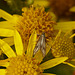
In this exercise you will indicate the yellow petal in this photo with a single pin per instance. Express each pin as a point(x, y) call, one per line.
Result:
point(58, 35)
point(4, 63)
point(6, 24)
point(15, 19)
point(44, 3)
point(48, 74)
point(53, 62)
point(18, 43)
point(31, 44)
point(6, 32)
point(29, 2)
point(48, 45)
point(2, 71)
point(9, 40)
point(65, 26)
point(38, 56)
point(69, 64)
point(7, 49)
point(72, 9)
point(53, 16)
point(5, 15)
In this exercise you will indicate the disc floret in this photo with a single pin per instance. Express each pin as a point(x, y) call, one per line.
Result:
point(23, 65)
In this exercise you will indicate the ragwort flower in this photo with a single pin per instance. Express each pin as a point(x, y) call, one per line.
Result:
point(21, 63)
point(65, 26)
point(31, 19)
point(44, 3)
point(63, 46)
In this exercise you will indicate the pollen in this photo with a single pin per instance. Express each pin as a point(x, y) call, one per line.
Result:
point(63, 46)
point(35, 18)
point(23, 65)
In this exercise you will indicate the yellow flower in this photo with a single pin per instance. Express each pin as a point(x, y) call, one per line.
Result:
point(65, 26)
point(21, 63)
point(61, 8)
point(63, 46)
point(44, 3)
point(31, 19)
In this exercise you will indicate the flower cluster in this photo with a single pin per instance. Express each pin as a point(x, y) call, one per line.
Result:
point(23, 63)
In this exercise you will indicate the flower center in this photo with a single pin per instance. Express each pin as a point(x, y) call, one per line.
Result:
point(35, 19)
point(23, 65)
point(63, 46)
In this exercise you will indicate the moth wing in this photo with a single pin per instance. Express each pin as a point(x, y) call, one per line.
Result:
point(37, 47)
point(43, 46)
point(40, 45)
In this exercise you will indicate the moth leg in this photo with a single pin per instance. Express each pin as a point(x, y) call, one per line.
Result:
point(58, 34)
point(69, 64)
point(68, 33)
point(72, 36)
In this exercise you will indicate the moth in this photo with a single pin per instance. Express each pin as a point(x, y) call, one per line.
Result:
point(40, 45)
